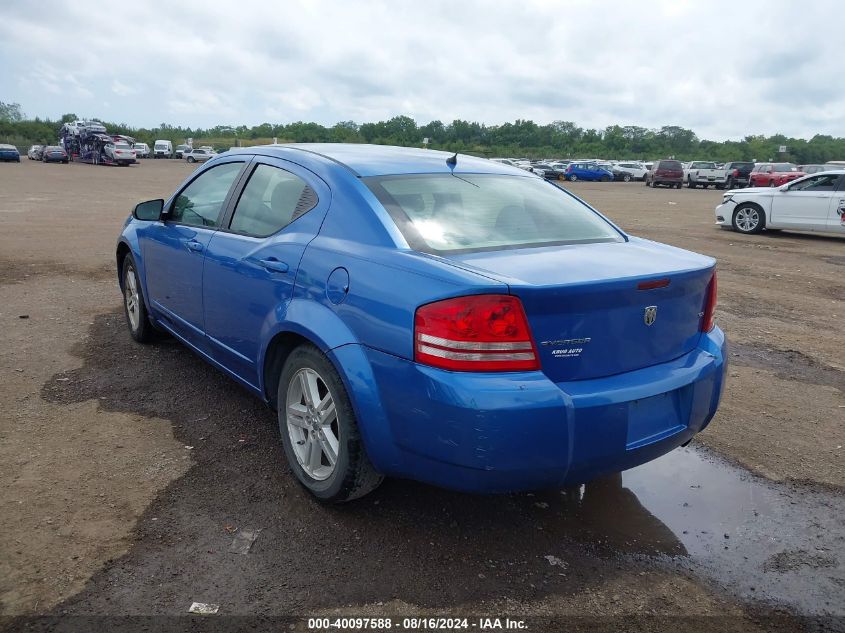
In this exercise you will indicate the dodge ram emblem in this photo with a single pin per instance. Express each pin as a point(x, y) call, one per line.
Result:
point(650, 315)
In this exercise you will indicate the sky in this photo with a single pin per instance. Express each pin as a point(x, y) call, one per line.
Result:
point(723, 69)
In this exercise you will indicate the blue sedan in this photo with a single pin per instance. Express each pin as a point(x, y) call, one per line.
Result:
point(587, 171)
point(415, 314)
point(9, 153)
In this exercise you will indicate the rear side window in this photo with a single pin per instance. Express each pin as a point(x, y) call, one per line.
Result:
point(199, 203)
point(442, 213)
point(780, 167)
point(272, 199)
point(669, 164)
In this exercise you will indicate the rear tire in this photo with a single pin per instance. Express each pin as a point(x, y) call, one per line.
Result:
point(319, 432)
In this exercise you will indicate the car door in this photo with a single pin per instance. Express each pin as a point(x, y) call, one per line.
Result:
point(836, 213)
point(174, 248)
point(805, 204)
point(251, 263)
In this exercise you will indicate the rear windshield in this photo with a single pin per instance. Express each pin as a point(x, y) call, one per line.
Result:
point(669, 164)
point(701, 165)
point(442, 213)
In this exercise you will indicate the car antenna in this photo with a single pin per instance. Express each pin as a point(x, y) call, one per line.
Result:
point(452, 160)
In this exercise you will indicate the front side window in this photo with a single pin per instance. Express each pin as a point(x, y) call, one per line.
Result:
point(824, 182)
point(272, 199)
point(442, 213)
point(199, 203)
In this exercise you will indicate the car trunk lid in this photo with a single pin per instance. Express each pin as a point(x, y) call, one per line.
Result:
point(602, 309)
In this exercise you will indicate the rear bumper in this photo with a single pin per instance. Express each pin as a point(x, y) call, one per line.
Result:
point(520, 431)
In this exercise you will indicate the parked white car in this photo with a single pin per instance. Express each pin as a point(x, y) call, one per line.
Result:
point(637, 170)
point(142, 150)
point(198, 155)
point(812, 203)
point(121, 153)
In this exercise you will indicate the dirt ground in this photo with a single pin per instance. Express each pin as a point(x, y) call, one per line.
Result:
point(128, 468)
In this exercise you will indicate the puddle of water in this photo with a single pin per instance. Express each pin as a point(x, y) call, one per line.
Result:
point(758, 539)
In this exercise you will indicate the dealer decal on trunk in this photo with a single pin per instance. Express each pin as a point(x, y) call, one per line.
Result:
point(567, 347)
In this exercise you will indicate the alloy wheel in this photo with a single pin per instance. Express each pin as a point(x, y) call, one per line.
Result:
point(132, 298)
point(747, 219)
point(312, 424)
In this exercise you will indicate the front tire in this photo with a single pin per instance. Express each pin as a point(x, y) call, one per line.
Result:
point(134, 308)
point(626, 178)
point(572, 177)
point(690, 183)
point(748, 219)
point(191, 159)
point(319, 432)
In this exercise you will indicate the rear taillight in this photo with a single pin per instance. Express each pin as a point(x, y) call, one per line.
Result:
point(736, 173)
point(475, 333)
point(708, 318)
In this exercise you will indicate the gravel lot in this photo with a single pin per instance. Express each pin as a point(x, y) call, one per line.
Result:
point(129, 470)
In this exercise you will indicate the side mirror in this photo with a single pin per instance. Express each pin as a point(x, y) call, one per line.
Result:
point(784, 188)
point(149, 210)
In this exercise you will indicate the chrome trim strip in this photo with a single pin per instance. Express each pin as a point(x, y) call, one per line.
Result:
point(443, 353)
point(445, 342)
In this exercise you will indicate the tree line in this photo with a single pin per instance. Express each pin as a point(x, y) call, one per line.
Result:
point(520, 138)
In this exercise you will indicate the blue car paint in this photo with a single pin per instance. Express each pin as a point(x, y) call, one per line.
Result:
point(483, 432)
point(10, 155)
point(587, 174)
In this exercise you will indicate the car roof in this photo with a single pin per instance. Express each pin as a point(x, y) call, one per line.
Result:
point(382, 160)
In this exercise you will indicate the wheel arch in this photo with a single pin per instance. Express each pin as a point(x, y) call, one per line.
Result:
point(120, 255)
point(327, 332)
point(305, 321)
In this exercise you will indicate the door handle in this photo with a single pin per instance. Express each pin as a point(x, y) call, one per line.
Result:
point(274, 265)
point(193, 245)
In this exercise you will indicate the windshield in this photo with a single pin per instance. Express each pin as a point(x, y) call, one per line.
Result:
point(441, 213)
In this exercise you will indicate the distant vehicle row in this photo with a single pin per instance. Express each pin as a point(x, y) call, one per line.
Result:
point(672, 173)
point(815, 202)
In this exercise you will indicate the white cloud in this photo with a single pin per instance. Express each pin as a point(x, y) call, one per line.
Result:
point(121, 89)
point(724, 69)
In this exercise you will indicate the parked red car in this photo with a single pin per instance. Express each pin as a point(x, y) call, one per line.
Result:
point(773, 174)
